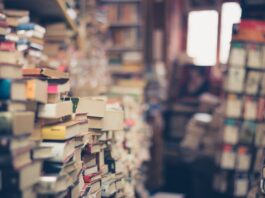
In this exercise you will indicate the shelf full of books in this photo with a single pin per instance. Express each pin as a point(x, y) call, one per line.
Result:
point(125, 31)
point(241, 149)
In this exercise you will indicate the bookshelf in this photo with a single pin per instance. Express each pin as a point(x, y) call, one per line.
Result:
point(125, 29)
point(45, 11)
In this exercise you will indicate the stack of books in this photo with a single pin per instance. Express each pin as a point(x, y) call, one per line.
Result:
point(88, 150)
point(57, 40)
point(19, 173)
point(57, 131)
point(30, 36)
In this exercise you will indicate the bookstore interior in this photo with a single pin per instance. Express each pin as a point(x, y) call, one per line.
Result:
point(132, 98)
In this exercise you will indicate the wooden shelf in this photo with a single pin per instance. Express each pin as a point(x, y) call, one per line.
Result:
point(121, 49)
point(120, 1)
point(47, 11)
point(124, 25)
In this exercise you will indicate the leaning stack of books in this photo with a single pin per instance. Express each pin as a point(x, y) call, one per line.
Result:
point(19, 173)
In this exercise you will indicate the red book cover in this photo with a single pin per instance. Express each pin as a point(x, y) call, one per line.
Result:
point(89, 178)
point(7, 46)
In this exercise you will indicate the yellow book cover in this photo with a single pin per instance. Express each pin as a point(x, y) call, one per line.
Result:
point(54, 133)
point(60, 131)
point(30, 89)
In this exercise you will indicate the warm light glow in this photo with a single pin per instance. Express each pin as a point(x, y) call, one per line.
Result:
point(231, 13)
point(202, 36)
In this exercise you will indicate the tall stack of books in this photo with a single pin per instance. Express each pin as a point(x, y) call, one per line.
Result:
point(242, 147)
point(19, 173)
point(88, 150)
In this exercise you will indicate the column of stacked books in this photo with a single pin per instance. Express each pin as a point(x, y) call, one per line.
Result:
point(132, 145)
point(242, 137)
point(58, 39)
point(87, 147)
point(58, 131)
point(100, 174)
point(19, 173)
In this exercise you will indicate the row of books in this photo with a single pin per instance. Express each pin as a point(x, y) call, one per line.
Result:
point(125, 38)
point(247, 55)
point(125, 13)
point(241, 141)
point(250, 82)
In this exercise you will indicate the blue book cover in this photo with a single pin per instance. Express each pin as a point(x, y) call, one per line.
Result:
point(26, 26)
point(5, 87)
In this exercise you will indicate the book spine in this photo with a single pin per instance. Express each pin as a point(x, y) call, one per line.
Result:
point(7, 46)
point(5, 87)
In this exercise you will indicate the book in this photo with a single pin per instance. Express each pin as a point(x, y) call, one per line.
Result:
point(250, 108)
point(108, 188)
point(7, 46)
point(254, 59)
point(113, 120)
point(252, 82)
point(91, 107)
point(14, 145)
point(261, 109)
point(228, 157)
point(61, 151)
point(16, 123)
point(44, 73)
point(247, 132)
point(238, 55)
point(52, 184)
point(19, 179)
point(231, 131)
point(260, 135)
point(15, 161)
point(241, 184)
point(10, 58)
point(90, 170)
point(262, 85)
point(89, 160)
point(58, 88)
point(41, 152)
point(57, 110)
point(13, 106)
point(243, 159)
point(234, 106)
point(61, 131)
point(33, 87)
point(12, 90)
point(235, 80)
point(10, 72)
point(92, 148)
point(95, 123)
point(31, 26)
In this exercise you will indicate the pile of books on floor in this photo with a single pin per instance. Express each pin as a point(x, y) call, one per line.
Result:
point(19, 172)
